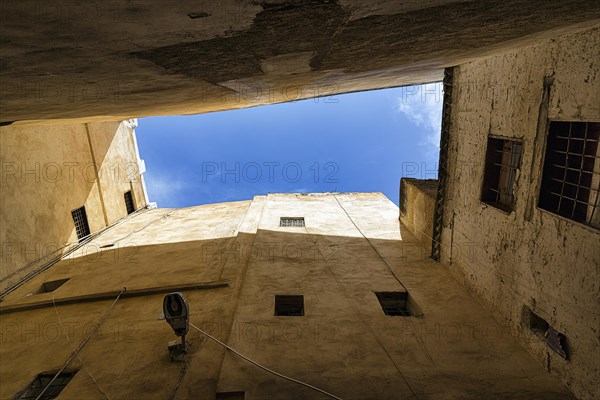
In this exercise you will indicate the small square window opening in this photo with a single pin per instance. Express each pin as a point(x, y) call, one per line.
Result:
point(35, 388)
point(289, 305)
point(291, 221)
point(394, 303)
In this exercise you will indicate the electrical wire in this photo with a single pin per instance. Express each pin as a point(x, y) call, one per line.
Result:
point(83, 241)
point(79, 358)
point(372, 245)
point(81, 345)
point(263, 367)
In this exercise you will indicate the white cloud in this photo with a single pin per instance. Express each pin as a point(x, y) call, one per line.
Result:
point(422, 105)
point(162, 189)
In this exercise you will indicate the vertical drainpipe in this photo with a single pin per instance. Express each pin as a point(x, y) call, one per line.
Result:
point(440, 201)
point(87, 130)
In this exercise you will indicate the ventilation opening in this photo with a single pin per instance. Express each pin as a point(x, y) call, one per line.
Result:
point(540, 327)
point(81, 223)
point(35, 388)
point(129, 202)
point(289, 305)
point(394, 303)
point(49, 287)
point(292, 221)
point(501, 163)
point(572, 172)
point(231, 396)
point(537, 324)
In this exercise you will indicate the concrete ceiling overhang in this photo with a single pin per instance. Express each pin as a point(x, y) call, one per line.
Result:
point(114, 60)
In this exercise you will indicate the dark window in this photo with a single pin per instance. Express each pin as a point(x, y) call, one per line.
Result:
point(289, 305)
point(292, 221)
point(501, 163)
point(537, 324)
point(48, 287)
point(81, 223)
point(554, 339)
point(129, 202)
point(571, 175)
point(230, 396)
point(36, 387)
point(393, 303)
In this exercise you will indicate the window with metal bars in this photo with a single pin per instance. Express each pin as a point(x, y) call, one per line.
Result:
point(571, 175)
point(394, 303)
point(129, 202)
point(35, 388)
point(81, 223)
point(291, 221)
point(502, 160)
point(289, 305)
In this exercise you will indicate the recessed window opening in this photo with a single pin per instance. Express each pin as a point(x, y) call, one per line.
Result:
point(231, 396)
point(571, 174)
point(51, 286)
point(537, 324)
point(295, 222)
point(289, 305)
point(129, 202)
point(394, 303)
point(555, 340)
point(502, 160)
point(35, 388)
point(82, 228)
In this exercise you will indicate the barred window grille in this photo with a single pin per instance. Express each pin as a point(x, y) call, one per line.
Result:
point(289, 305)
point(502, 160)
point(292, 221)
point(81, 223)
point(393, 303)
point(36, 387)
point(571, 174)
point(129, 202)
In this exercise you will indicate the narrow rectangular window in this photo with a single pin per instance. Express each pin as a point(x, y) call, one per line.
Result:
point(129, 202)
point(394, 303)
point(291, 221)
point(81, 223)
point(502, 160)
point(571, 175)
point(289, 305)
point(37, 389)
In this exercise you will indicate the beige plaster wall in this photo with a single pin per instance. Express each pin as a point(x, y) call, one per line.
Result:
point(47, 171)
point(528, 257)
point(417, 206)
point(352, 245)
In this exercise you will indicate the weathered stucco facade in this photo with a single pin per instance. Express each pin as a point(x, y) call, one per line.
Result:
point(527, 259)
point(118, 59)
point(230, 260)
point(417, 205)
point(49, 170)
point(69, 67)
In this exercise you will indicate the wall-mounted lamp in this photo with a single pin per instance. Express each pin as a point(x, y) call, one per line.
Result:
point(176, 311)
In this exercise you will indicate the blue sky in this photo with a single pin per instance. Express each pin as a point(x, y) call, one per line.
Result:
point(358, 142)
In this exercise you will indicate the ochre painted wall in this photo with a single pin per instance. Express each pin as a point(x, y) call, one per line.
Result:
point(47, 171)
